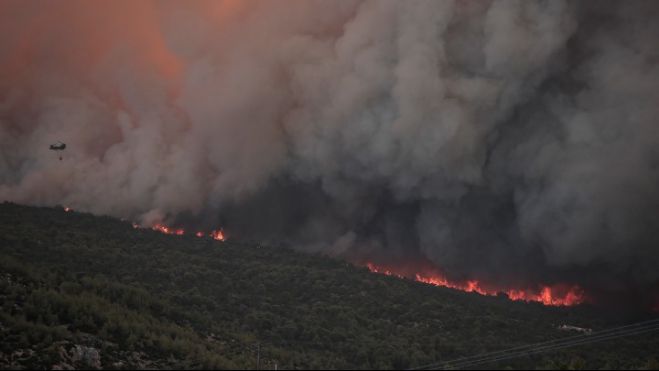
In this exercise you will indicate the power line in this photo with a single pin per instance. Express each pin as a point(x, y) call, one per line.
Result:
point(553, 348)
point(549, 346)
point(533, 349)
point(522, 347)
point(562, 340)
point(627, 330)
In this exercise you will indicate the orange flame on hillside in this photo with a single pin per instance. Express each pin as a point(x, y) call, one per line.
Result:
point(167, 230)
point(557, 295)
point(218, 235)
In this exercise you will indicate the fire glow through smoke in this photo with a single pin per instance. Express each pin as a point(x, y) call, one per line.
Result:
point(167, 230)
point(365, 130)
point(217, 235)
point(557, 295)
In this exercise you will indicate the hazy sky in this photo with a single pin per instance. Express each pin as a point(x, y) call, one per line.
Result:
point(513, 141)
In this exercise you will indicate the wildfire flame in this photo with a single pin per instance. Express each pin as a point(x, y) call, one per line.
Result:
point(547, 295)
point(167, 230)
point(217, 235)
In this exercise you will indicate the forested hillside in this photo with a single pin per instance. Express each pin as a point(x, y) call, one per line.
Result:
point(93, 292)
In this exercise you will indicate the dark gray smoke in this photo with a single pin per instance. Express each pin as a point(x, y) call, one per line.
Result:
point(510, 141)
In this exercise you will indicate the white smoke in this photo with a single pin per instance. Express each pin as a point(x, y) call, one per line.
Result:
point(482, 135)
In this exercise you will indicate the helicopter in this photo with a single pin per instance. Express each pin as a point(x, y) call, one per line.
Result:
point(59, 146)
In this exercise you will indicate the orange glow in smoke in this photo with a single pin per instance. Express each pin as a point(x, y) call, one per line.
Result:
point(167, 230)
point(558, 295)
point(218, 235)
point(83, 38)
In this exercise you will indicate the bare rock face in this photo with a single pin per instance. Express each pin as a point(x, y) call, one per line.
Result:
point(87, 357)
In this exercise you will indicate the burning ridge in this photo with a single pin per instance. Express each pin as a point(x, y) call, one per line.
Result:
point(553, 295)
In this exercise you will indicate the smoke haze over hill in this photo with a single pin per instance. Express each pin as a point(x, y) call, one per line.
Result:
point(514, 142)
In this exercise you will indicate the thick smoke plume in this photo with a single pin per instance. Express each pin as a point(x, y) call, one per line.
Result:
point(509, 141)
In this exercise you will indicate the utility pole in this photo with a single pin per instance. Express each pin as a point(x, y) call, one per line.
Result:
point(258, 355)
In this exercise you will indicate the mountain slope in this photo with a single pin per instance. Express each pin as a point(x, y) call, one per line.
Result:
point(84, 291)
